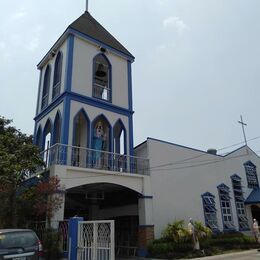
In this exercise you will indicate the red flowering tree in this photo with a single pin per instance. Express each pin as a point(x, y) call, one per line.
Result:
point(48, 197)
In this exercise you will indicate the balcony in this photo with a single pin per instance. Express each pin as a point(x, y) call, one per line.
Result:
point(60, 154)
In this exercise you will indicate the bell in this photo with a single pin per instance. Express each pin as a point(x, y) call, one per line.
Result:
point(100, 71)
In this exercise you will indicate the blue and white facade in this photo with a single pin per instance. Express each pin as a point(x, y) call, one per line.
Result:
point(221, 191)
point(84, 128)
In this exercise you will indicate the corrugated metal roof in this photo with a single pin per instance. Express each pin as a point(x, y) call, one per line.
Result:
point(87, 25)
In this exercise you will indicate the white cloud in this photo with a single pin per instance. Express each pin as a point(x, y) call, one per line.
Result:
point(175, 23)
point(34, 42)
point(18, 15)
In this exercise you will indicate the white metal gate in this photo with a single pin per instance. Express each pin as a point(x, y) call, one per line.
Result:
point(96, 240)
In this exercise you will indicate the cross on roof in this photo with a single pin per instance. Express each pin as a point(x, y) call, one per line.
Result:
point(243, 128)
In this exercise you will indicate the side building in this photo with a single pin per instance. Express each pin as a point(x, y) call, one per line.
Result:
point(221, 191)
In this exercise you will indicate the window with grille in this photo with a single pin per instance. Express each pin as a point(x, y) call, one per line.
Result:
point(46, 86)
point(239, 201)
point(251, 175)
point(57, 76)
point(210, 211)
point(225, 205)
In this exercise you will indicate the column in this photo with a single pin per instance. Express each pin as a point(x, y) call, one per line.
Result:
point(146, 226)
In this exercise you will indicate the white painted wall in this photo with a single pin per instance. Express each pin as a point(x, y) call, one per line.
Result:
point(92, 113)
point(177, 188)
point(82, 72)
point(51, 62)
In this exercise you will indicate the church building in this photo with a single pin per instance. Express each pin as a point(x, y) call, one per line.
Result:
point(84, 128)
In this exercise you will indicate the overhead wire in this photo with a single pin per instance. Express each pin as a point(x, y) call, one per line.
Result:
point(184, 161)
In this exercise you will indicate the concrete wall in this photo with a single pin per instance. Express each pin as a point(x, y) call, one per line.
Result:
point(82, 75)
point(177, 188)
point(51, 62)
point(92, 113)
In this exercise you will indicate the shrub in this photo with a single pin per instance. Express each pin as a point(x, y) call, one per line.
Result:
point(161, 248)
point(201, 231)
point(51, 244)
point(176, 232)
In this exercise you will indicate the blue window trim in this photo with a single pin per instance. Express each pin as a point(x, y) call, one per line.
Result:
point(141, 196)
point(102, 116)
point(57, 117)
point(49, 108)
point(66, 120)
point(226, 189)
point(46, 85)
point(38, 140)
point(38, 96)
point(131, 135)
point(122, 126)
point(68, 96)
point(47, 123)
point(82, 110)
point(69, 63)
point(208, 194)
point(109, 77)
point(236, 178)
point(58, 60)
point(100, 104)
point(250, 185)
point(130, 92)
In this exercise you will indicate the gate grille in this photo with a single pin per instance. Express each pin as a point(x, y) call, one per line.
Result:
point(96, 240)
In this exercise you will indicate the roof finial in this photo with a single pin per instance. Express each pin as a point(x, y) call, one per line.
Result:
point(86, 5)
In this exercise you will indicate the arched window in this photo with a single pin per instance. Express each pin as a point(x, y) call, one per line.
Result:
point(57, 129)
point(119, 134)
point(47, 138)
point(240, 202)
point(102, 78)
point(251, 175)
point(210, 211)
point(46, 86)
point(38, 137)
point(225, 205)
point(80, 154)
point(57, 76)
point(101, 142)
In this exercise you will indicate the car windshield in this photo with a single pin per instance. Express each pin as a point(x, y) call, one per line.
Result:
point(17, 239)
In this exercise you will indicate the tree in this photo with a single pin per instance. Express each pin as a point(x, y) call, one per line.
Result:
point(47, 198)
point(19, 158)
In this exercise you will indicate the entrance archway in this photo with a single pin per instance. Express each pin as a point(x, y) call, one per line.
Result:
point(106, 201)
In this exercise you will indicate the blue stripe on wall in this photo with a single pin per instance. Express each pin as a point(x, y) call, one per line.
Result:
point(130, 98)
point(69, 63)
point(65, 121)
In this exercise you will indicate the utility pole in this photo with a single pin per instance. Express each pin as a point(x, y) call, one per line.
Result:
point(243, 128)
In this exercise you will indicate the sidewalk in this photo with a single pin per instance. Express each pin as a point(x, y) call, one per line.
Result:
point(223, 256)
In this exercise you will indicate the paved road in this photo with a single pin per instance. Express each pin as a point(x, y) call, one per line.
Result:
point(246, 255)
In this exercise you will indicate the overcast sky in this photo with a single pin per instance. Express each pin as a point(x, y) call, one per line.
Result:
point(196, 69)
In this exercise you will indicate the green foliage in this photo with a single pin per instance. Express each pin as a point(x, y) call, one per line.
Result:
point(176, 232)
point(18, 159)
point(201, 231)
point(176, 243)
point(51, 244)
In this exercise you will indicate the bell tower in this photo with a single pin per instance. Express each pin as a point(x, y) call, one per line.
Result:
point(85, 91)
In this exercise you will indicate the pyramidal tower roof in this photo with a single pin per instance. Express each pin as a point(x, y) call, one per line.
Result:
point(87, 25)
